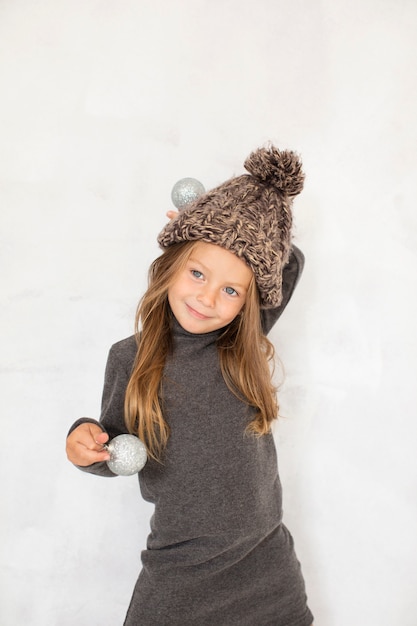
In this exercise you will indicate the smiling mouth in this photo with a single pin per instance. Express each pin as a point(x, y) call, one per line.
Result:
point(195, 313)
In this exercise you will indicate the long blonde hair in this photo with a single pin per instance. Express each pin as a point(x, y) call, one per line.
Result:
point(245, 356)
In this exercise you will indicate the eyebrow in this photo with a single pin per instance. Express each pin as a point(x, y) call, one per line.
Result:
point(205, 268)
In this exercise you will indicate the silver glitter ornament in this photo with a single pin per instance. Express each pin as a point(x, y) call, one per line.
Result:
point(127, 455)
point(185, 191)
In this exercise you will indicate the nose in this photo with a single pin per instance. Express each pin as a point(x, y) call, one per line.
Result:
point(207, 297)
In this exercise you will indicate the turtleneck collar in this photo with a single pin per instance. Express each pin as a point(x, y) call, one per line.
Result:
point(203, 338)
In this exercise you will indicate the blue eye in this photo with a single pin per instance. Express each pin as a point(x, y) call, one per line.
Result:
point(196, 274)
point(230, 291)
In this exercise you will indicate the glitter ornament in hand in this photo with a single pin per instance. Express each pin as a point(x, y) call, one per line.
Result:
point(185, 191)
point(127, 455)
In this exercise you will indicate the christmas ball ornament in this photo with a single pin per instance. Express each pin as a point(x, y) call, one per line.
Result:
point(127, 455)
point(185, 191)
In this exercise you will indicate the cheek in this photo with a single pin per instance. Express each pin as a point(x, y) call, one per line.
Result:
point(175, 291)
point(233, 309)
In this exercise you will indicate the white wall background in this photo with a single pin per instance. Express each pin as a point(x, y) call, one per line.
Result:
point(104, 106)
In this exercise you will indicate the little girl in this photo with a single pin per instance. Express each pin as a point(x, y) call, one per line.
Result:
point(194, 383)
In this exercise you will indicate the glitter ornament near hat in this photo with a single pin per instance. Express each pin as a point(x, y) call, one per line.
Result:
point(185, 191)
point(250, 215)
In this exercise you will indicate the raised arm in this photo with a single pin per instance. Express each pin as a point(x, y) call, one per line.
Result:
point(290, 277)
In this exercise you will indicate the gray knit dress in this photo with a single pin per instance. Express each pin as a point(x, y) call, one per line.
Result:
point(218, 553)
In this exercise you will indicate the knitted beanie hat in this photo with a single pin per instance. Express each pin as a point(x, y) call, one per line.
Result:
point(250, 215)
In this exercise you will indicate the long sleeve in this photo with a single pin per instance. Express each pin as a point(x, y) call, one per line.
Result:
point(119, 366)
point(118, 370)
point(290, 276)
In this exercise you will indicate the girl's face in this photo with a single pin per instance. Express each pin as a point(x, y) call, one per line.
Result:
point(211, 289)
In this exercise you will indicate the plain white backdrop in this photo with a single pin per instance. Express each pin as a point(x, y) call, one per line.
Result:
point(104, 106)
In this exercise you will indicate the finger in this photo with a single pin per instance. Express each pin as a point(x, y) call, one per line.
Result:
point(91, 457)
point(85, 445)
point(101, 438)
point(172, 214)
point(93, 437)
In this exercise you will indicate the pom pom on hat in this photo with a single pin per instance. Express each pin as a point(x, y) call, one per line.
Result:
point(280, 169)
point(250, 215)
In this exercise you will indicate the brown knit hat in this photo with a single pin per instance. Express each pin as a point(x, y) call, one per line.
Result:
point(250, 215)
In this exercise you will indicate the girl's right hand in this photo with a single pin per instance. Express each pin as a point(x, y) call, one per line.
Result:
point(85, 445)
